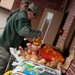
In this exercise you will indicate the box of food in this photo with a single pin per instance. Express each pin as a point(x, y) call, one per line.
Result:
point(28, 67)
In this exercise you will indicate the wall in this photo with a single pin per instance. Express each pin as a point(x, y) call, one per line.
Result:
point(61, 42)
point(41, 4)
point(71, 69)
point(16, 4)
point(3, 16)
point(7, 4)
point(53, 4)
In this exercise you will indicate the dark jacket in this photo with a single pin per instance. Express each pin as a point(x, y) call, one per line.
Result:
point(12, 13)
point(17, 27)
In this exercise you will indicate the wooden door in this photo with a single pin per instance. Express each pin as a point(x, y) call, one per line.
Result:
point(49, 24)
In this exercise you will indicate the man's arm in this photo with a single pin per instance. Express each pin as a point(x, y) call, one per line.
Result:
point(23, 28)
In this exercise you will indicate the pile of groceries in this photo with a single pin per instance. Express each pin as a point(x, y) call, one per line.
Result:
point(36, 59)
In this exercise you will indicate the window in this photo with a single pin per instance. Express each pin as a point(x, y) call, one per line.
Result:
point(46, 23)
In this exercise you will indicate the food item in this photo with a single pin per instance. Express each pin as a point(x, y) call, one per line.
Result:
point(53, 64)
point(37, 41)
point(28, 56)
point(22, 57)
point(45, 55)
point(33, 59)
point(29, 51)
point(33, 47)
point(42, 61)
point(22, 52)
point(48, 64)
point(50, 54)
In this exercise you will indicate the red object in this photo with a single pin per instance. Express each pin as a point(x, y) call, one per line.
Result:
point(49, 54)
point(60, 31)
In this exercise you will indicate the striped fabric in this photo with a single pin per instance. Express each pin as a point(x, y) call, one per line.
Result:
point(4, 57)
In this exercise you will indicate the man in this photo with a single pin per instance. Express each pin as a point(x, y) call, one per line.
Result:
point(17, 27)
point(23, 5)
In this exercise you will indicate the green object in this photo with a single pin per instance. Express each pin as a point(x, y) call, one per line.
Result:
point(26, 65)
point(26, 2)
point(17, 27)
point(29, 69)
point(12, 13)
point(33, 8)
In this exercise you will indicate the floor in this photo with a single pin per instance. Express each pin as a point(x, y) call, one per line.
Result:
point(3, 16)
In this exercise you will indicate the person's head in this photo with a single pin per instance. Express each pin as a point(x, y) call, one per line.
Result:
point(32, 11)
point(24, 4)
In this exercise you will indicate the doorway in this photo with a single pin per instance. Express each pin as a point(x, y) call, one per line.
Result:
point(60, 28)
point(70, 39)
point(49, 24)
